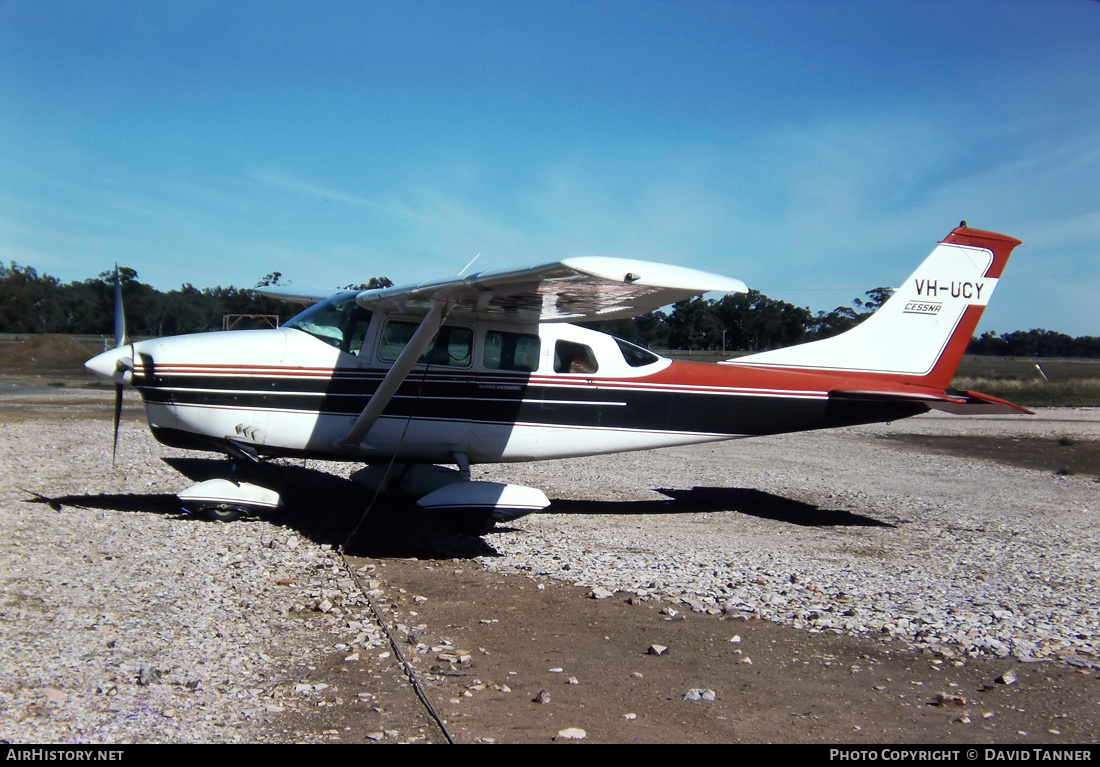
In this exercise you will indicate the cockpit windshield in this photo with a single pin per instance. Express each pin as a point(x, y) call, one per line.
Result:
point(338, 321)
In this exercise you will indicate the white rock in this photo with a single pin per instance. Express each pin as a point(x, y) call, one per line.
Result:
point(572, 733)
point(696, 694)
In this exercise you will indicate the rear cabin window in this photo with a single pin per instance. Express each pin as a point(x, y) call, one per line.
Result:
point(451, 347)
point(338, 321)
point(571, 357)
point(636, 356)
point(511, 351)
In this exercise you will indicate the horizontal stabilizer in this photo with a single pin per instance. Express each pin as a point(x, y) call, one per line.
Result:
point(976, 403)
point(959, 403)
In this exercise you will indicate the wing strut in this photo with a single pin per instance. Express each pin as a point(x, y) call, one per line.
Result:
point(429, 326)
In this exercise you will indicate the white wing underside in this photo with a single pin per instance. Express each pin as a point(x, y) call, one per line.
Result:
point(584, 288)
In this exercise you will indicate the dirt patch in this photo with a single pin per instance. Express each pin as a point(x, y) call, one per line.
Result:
point(46, 351)
point(490, 644)
point(1064, 455)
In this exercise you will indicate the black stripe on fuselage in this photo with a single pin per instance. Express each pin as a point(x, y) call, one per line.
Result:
point(505, 400)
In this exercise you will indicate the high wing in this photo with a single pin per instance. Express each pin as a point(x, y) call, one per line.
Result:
point(304, 296)
point(583, 288)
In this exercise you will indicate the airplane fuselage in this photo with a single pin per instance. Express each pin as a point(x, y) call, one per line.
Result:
point(485, 368)
point(495, 393)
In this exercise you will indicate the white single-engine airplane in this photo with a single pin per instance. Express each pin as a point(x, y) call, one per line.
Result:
point(486, 368)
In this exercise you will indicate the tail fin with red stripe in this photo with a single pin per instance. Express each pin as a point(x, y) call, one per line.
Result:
point(920, 334)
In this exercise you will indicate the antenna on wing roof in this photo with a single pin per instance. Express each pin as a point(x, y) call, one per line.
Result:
point(469, 264)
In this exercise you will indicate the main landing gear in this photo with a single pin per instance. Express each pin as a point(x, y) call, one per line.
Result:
point(225, 500)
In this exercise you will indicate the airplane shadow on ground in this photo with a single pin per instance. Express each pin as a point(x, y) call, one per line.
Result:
point(151, 503)
point(328, 509)
point(754, 503)
point(322, 507)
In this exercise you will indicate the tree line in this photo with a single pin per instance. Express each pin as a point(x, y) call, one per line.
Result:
point(38, 303)
point(741, 322)
point(753, 322)
point(1035, 343)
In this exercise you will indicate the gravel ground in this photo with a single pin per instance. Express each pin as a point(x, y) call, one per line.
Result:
point(125, 622)
point(841, 530)
point(122, 621)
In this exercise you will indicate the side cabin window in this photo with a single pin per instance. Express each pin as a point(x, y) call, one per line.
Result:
point(451, 347)
point(511, 351)
point(570, 357)
point(636, 356)
point(338, 321)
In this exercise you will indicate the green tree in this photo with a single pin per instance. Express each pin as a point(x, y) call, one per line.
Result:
point(754, 322)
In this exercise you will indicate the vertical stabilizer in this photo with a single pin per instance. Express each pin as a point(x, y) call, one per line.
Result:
point(922, 331)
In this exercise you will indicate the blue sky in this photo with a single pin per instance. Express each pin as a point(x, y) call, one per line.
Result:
point(814, 150)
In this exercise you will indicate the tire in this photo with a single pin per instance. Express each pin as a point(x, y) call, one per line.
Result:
point(476, 522)
point(223, 512)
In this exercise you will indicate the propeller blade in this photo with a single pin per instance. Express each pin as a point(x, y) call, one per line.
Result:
point(120, 340)
point(120, 315)
point(118, 418)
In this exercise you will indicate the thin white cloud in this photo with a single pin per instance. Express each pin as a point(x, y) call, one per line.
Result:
point(279, 179)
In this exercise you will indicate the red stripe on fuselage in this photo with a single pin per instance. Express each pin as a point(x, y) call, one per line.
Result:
point(693, 377)
point(784, 380)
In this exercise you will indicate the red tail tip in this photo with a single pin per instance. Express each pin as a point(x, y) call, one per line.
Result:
point(1000, 244)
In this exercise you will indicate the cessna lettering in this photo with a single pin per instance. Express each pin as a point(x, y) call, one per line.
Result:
point(922, 307)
